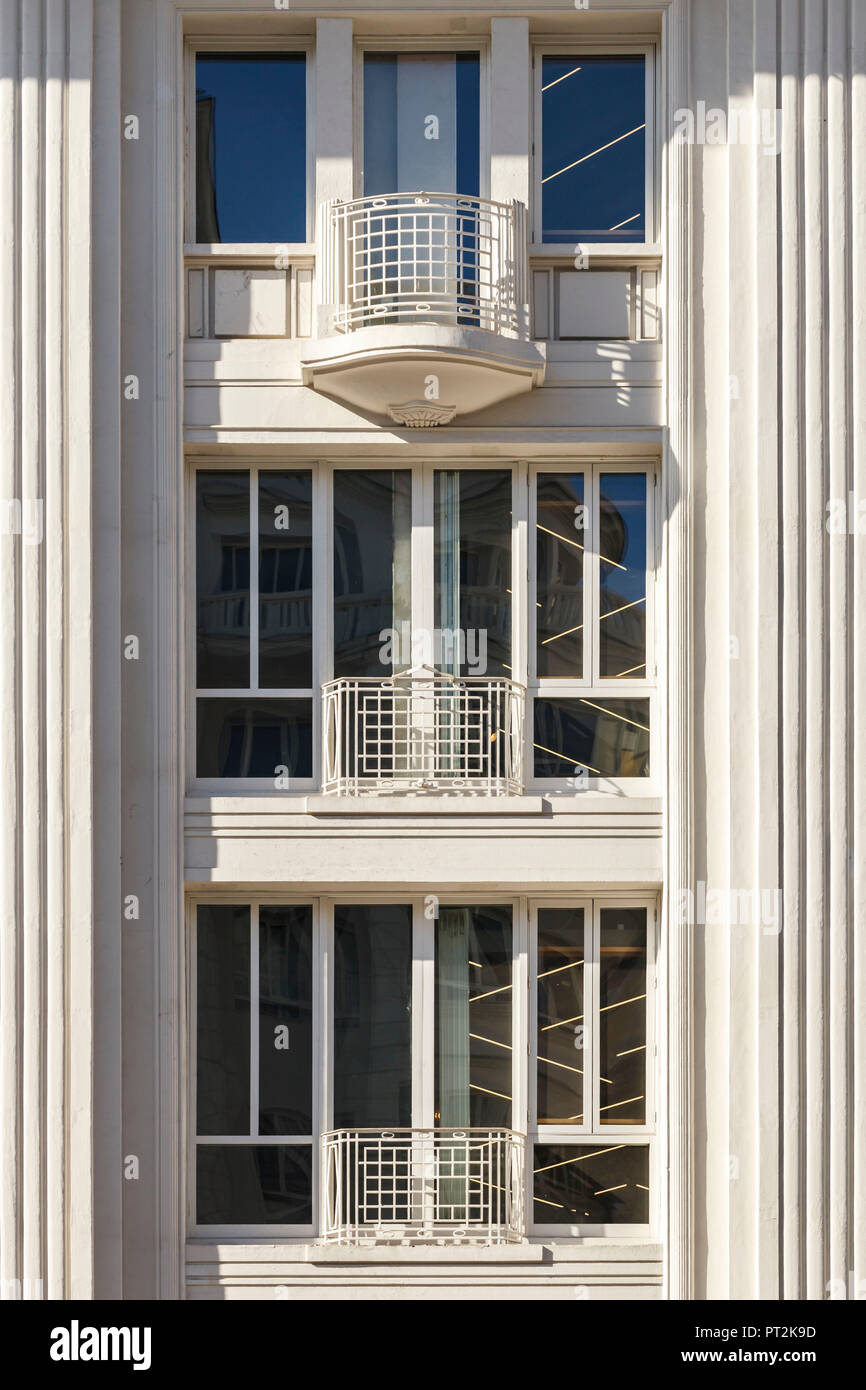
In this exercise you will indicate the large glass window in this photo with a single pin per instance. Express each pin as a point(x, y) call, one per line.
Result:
point(254, 625)
point(593, 148)
point(251, 162)
point(593, 529)
point(591, 1077)
point(254, 1071)
point(379, 1058)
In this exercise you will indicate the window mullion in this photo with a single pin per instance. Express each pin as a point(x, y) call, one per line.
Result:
point(254, 1020)
point(254, 579)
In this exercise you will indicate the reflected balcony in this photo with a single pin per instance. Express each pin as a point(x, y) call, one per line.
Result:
point(423, 306)
point(422, 731)
point(444, 1186)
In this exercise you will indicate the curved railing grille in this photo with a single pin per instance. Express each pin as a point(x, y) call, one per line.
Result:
point(422, 731)
point(420, 1185)
point(440, 257)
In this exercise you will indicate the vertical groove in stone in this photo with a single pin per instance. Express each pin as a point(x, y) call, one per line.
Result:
point(815, 712)
point(10, 639)
point(838, 320)
point(32, 626)
point(858, 627)
point(678, 853)
point(792, 462)
point(54, 548)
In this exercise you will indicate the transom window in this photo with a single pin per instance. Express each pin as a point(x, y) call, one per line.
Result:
point(331, 1020)
point(309, 574)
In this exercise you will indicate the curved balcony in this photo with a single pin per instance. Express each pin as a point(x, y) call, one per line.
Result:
point(420, 1186)
point(423, 306)
point(422, 731)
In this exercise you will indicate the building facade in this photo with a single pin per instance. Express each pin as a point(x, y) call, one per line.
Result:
point(434, 669)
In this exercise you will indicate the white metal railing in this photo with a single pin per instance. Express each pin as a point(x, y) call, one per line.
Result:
point(426, 257)
point(422, 1185)
point(422, 731)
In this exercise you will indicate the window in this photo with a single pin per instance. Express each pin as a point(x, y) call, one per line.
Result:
point(591, 672)
point(378, 1019)
point(254, 650)
point(250, 147)
point(423, 572)
point(593, 147)
point(593, 1111)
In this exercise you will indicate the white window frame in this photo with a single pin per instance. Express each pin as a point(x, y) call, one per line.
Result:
point(590, 1132)
point(411, 44)
point(227, 785)
point(523, 1021)
point(597, 49)
point(247, 43)
point(523, 599)
point(575, 688)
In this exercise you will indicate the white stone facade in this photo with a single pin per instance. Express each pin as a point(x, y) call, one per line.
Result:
point(728, 355)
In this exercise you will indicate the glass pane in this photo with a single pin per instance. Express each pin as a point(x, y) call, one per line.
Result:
point(592, 1184)
point(251, 157)
point(255, 1185)
point(372, 1016)
point(254, 738)
point(402, 91)
point(560, 535)
point(562, 1038)
point(595, 737)
point(286, 1020)
point(223, 1019)
point(472, 572)
point(473, 1016)
point(222, 563)
point(286, 580)
point(622, 576)
point(372, 571)
point(593, 114)
point(622, 1004)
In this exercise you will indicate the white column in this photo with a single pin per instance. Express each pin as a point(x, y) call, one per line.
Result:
point(46, 687)
point(510, 110)
point(335, 129)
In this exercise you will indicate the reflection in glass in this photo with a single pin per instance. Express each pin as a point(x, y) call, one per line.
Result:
point(254, 1185)
point(285, 580)
point(254, 738)
point(400, 91)
point(251, 160)
point(372, 1016)
point(222, 560)
point(623, 1008)
point(560, 541)
point(562, 1042)
point(372, 571)
point(591, 1184)
point(472, 570)
point(593, 114)
point(473, 1016)
point(622, 576)
point(285, 1020)
point(223, 1019)
point(596, 737)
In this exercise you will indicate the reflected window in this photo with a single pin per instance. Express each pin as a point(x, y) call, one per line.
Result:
point(595, 737)
point(622, 1015)
point(251, 162)
point(562, 1028)
point(421, 123)
point(559, 553)
point(474, 1004)
point(590, 1184)
point(372, 570)
point(593, 130)
point(472, 570)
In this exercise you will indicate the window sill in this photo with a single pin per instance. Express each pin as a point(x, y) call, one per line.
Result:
point(591, 1250)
